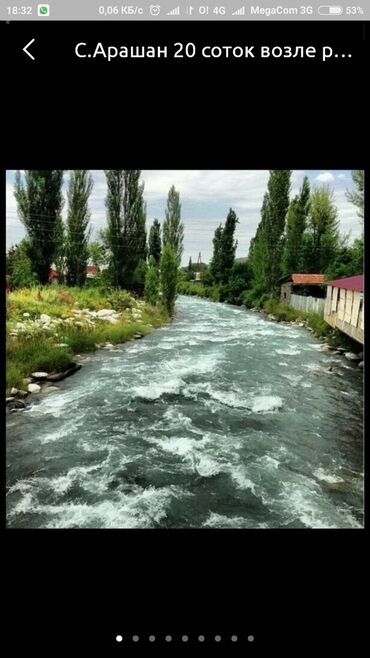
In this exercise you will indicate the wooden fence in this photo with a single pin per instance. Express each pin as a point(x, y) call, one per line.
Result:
point(307, 304)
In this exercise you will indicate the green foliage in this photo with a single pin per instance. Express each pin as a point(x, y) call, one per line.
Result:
point(40, 201)
point(97, 253)
point(22, 276)
point(296, 225)
point(79, 190)
point(168, 275)
point(113, 236)
point(276, 209)
point(120, 300)
point(152, 284)
point(348, 261)
point(173, 228)
point(322, 239)
point(155, 245)
point(224, 249)
point(357, 196)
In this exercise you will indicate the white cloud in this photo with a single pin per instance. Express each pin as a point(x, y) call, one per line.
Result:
point(325, 177)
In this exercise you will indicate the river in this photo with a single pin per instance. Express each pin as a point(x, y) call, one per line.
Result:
point(221, 419)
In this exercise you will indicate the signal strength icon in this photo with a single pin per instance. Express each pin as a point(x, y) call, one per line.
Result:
point(174, 12)
point(239, 12)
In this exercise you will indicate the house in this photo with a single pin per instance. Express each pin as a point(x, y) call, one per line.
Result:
point(344, 306)
point(53, 275)
point(91, 272)
point(304, 292)
point(302, 284)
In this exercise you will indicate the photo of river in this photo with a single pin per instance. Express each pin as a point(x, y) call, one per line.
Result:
point(220, 419)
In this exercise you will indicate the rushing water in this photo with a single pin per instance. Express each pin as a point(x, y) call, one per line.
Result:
point(220, 419)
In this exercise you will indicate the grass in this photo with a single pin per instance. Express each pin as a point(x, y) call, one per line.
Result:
point(36, 348)
point(198, 290)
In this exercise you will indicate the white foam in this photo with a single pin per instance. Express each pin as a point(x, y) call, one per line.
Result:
point(291, 351)
point(240, 477)
point(269, 462)
point(326, 476)
point(221, 521)
point(266, 403)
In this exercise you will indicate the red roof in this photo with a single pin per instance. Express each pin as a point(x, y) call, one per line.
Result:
point(350, 283)
point(91, 269)
point(53, 274)
point(310, 279)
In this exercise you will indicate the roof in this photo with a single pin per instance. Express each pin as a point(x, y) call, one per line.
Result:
point(350, 283)
point(53, 274)
point(302, 279)
point(91, 269)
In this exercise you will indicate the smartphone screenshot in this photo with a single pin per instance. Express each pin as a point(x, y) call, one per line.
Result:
point(184, 338)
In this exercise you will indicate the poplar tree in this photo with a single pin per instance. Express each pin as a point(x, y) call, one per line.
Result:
point(113, 235)
point(322, 239)
point(228, 247)
point(357, 196)
point(155, 246)
point(173, 229)
point(78, 232)
point(40, 201)
point(215, 265)
point(296, 225)
point(277, 205)
point(169, 274)
point(134, 231)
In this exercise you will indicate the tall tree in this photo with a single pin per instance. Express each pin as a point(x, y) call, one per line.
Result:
point(134, 231)
point(296, 225)
point(357, 196)
point(228, 247)
point(257, 256)
point(322, 239)
point(215, 265)
point(190, 266)
point(169, 274)
point(173, 229)
point(40, 201)
point(155, 245)
point(278, 201)
point(78, 232)
point(113, 236)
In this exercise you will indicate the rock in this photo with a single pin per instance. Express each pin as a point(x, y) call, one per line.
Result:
point(360, 355)
point(79, 324)
point(301, 324)
point(10, 399)
point(26, 315)
point(39, 375)
point(33, 388)
point(361, 364)
point(350, 356)
point(18, 405)
point(341, 349)
point(44, 318)
point(14, 391)
point(19, 325)
point(271, 316)
point(22, 394)
point(336, 353)
point(28, 380)
point(137, 336)
point(47, 389)
point(61, 345)
point(111, 319)
point(326, 348)
point(105, 312)
point(58, 376)
point(108, 346)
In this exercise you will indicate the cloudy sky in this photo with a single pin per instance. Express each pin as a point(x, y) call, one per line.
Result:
point(206, 197)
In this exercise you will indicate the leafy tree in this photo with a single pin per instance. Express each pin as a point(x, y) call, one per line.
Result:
point(357, 196)
point(215, 265)
point(173, 229)
point(168, 273)
point(322, 239)
point(97, 253)
point(78, 233)
point(152, 283)
point(277, 205)
point(134, 231)
point(19, 266)
point(257, 256)
point(228, 247)
point(296, 225)
point(60, 249)
point(155, 246)
point(113, 235)
point(347, 262)
point(39, 201)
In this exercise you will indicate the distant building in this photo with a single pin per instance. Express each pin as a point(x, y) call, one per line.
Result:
point(344, 306)
point(91, 273)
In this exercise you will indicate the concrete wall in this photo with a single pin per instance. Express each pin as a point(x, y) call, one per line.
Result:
point(307, 304)
point(285, 292)
point(344, 310)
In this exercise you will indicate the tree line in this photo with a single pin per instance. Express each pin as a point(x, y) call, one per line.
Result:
point(135, 262)
point(294, 235)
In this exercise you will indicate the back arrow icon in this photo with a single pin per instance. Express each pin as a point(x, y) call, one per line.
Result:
point(26, 51)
